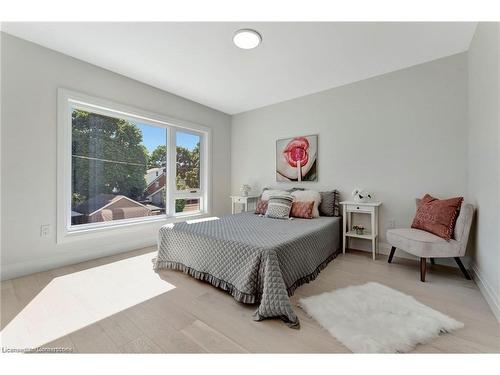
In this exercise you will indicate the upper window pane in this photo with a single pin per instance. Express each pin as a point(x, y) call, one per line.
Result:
point(118, 168)
point(188, 161)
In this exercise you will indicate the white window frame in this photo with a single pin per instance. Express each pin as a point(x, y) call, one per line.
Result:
point(67, 100)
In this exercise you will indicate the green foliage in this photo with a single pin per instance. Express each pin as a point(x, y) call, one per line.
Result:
point(158, 157)
point(188, 168)
point(77, 198)
point(108, 157)
point(179, 205)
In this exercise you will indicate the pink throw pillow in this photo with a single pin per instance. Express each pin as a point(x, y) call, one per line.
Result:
point(302, 210)
point(437, 216)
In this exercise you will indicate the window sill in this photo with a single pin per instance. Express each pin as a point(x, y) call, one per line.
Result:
point(76, 234)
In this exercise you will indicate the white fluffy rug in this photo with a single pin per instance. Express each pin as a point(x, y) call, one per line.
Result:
point(373, 318)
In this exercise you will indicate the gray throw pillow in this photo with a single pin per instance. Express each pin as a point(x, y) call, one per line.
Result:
point(329, 205)
point(279, 206)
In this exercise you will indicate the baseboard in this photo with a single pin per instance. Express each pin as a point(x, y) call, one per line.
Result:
point(383, 248)
point(488, 293)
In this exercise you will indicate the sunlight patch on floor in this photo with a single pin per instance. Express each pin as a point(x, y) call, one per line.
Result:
point(71, 302)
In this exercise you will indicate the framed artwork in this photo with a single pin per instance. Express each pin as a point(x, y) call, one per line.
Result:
point(296, 158)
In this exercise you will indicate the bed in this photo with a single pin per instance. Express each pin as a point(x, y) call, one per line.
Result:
point(254, 258)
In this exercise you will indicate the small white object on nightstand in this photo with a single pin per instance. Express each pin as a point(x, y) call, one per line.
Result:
point(244, 201)
point(370, 208)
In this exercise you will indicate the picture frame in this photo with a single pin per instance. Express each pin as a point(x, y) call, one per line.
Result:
point(297, 158)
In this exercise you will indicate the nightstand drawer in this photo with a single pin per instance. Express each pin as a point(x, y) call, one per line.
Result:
point(240, 200)
point(360, 208)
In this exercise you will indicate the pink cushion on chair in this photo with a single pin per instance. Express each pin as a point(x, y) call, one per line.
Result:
point(437, 216)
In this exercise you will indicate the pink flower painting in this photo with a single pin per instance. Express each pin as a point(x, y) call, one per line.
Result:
point(296, 158)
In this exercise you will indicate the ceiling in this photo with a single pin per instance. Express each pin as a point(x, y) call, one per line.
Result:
point(199, 61)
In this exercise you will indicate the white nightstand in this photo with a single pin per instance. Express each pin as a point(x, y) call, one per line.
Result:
point(370, 208)
point(246, 202)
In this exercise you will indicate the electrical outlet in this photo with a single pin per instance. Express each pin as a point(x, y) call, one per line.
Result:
point(391, 224)
point(45, 230)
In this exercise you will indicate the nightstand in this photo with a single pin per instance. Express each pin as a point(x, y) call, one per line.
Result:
point(245, 202)
point(369, 208)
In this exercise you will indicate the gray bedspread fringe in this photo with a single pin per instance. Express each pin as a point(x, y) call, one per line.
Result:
point(238, 295)
point(308, 278)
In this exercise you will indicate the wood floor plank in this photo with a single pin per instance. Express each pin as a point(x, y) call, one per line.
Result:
point(174, 341)
point(141, 344)
point(10, 306)
point(210, 339)
point(121, 329)
point(195, 317)
point(93, 339)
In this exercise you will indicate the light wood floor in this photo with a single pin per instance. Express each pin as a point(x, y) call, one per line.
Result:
point(196, 317)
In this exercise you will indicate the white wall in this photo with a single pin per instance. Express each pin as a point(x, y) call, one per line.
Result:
point(398, 135)
point(483, 187)
point(31, 75)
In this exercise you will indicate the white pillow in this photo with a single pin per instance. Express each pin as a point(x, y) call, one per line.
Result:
point(308, 196)
point(267, 193)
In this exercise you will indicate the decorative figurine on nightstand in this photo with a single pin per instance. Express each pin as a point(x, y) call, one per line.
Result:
point(361, 195)
point(244, 190)
point(359, 229)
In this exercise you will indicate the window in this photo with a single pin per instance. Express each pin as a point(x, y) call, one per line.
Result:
point(187, 173)
point(124, 167)
point(118, 168)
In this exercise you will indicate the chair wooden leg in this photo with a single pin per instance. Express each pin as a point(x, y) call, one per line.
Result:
point(432, 261)
point(423, 262)
point(462, 268)
point(393, 249)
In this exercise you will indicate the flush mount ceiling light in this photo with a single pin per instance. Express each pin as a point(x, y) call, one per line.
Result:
point(247, 39)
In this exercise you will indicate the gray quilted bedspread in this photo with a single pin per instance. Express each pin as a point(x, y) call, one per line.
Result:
point(256, 259)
